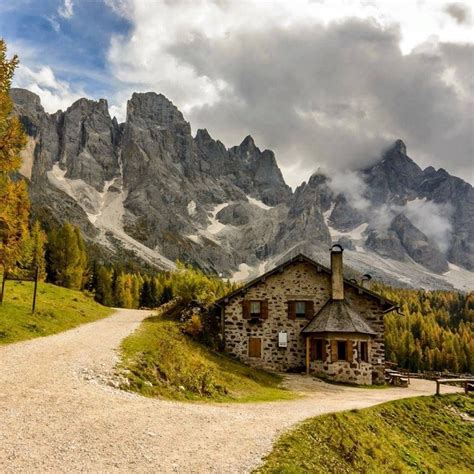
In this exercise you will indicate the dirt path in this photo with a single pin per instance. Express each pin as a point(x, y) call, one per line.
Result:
point(52, 418)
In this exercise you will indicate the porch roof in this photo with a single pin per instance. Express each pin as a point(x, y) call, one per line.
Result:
point(338, 316)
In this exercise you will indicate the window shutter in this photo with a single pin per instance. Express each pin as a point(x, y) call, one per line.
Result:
point(264, 309)
point(291, 309)
point(324, 353)
point(334, 351)
point(309, 309)
point(246, 309)
point(349, 353)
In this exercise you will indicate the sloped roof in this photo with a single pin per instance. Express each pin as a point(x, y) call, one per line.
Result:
point(303, 258)
point(338, 316)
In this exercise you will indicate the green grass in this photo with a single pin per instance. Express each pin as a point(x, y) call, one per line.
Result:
point(160, 361)
point(424, 434)
point(57, 309)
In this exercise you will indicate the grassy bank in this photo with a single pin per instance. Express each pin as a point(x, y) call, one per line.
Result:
point(425, 434)
point(160, 361)
point(57, 309)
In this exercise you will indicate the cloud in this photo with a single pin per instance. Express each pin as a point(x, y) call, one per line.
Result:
point(334, 95)
point(66, 10)
point(432, 219)
point(352, 186)
point(52, 20)
point(55, 94)
point(459, 12)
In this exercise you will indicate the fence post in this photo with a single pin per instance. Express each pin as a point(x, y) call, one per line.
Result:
point(3, 284)
point(437, 387)
point(35, 290)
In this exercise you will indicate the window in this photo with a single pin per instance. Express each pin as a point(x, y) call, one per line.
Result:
point(318, 349)
point(364, 352)
point(341, 350)
point(255, 347)
point(255, 309)
point(300, 309)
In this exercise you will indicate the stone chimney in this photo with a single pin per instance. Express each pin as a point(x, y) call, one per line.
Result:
point(337, 276)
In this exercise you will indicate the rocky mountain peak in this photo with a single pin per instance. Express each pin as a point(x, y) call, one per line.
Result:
point(154, 111)
point(202, 135)
point(399, 147)
point(248, 144)
point(23, 97)
point(88, 106)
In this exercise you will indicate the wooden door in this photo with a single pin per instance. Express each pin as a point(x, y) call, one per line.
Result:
point(255, 347)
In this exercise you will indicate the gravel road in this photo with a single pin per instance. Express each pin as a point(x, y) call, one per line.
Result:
point(55, 417)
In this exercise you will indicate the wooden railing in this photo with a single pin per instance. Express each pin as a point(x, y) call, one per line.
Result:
point(466, 382)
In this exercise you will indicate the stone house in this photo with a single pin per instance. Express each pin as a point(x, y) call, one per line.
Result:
point(304, 316)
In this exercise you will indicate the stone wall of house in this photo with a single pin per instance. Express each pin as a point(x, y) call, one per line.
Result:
point(297, 281)
point(357, 371)
point(373, 312)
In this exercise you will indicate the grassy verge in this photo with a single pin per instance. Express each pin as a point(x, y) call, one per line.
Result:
point(57, 309)
point(425, 434)
point(160, 361)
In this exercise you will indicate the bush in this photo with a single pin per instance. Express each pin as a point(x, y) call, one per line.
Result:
point(193, 326)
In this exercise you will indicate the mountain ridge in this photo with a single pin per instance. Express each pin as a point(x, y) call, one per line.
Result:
point(148, 187)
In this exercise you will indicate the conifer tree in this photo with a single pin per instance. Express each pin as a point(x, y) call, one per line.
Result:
point(32, 251)
point(38, 242)
point(66, 257)
point(14, 203)
point(103, 289)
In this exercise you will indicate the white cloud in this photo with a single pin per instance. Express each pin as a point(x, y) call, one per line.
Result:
point(352, 186)
point(432, 219)
point(54, 23)
point(54, 94)
point(66, 10)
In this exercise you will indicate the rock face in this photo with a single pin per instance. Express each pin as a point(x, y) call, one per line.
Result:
point(418, 246)
point(87, 143)
point(147, 189)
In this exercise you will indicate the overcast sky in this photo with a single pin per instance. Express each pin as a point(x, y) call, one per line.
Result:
point(322, 83)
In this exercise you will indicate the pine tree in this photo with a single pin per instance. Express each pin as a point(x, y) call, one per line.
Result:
point(103, 289)
point(38, 239)
point(32, 252)
point(145, 295)
point(14, 203)
point(66, 257)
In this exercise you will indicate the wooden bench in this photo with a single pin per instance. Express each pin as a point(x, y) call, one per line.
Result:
point(466, 382)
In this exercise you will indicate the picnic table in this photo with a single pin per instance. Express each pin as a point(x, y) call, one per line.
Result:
point(396, 378)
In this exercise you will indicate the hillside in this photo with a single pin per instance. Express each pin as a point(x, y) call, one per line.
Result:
point(57, 309)
point(159, 360)
point(148, 189)
point(426, 434)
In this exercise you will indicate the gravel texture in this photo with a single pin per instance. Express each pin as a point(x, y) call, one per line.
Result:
point(58, 414)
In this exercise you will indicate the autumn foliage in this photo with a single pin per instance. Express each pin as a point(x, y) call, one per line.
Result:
point(14, 203)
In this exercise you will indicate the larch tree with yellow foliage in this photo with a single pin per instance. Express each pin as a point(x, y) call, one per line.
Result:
point(14, 202)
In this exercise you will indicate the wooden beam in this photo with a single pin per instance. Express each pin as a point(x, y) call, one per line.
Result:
point(308, 349)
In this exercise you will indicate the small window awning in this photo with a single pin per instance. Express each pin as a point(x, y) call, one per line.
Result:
point(338, 316)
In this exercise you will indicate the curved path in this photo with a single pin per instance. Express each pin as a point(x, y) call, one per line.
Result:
point(54, 417)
